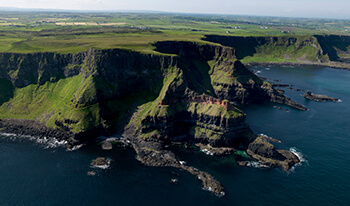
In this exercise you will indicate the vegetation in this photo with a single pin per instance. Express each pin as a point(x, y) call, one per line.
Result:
point(74, 101)
point(65, 32)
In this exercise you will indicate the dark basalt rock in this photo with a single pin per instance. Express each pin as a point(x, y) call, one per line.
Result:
point(101, 162)
point(107, 146)
point(33, 128)
point(268, 155)
point(152, 154)
point(319, 97)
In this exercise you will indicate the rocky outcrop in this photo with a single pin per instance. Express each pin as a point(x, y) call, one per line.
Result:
point(265, 152)
point(234, 82)
point(319, 97)
point(152, 153)
point(101, 162)
point(302, 48)
point(334, 46)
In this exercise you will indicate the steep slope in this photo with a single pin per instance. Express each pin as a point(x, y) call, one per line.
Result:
point(303, 49)
point(184, 94)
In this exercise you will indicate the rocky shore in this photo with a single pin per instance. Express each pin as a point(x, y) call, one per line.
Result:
point(319, 97)
point(33, 128)
point(153, 154)
point(336, 65)
point(268, 155)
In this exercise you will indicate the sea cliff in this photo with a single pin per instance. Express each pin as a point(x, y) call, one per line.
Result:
point(185, 93)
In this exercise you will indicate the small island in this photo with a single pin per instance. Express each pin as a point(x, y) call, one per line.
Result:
point(319, 97)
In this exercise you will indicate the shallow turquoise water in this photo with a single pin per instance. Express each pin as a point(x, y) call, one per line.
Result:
point(31, 174)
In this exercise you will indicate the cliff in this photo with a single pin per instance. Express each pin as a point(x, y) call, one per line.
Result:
point(185, 93)
point(304, 49)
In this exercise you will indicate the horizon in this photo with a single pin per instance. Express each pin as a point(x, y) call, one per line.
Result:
point(266, 9)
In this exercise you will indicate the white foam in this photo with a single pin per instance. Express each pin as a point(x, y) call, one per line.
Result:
point(267, 69)
point(256, 164)
point(339, 100)
point(46, 142)
point(75, 147)
point(8, 134)
point(297, 153)
point(268, 137)
point(207, 152)
point(105, 166)
point(258, 72)
point(211, 190)
point(300, 156)
point(182, 162)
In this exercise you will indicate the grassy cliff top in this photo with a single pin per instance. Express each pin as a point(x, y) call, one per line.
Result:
point(30, 32)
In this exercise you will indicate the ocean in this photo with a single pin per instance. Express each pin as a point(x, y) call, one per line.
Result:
point(43, 173)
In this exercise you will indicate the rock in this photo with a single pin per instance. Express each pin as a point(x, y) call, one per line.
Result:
point(266, 154)
point(107, 146)
point(101, 162)
point(152, 154)
point(243, 163)
point(318, 97)
point(91, 173)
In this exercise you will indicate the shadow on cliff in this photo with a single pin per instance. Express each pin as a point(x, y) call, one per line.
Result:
point(332, 45)
point(244, 46)
point(196, 73)
point(6, 90)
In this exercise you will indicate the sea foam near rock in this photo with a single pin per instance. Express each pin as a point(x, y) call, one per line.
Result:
point(256, 164)
point(300, 156)
point(44, 141)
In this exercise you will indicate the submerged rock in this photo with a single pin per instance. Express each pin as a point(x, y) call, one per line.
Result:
point(107, 146)
point(319, 97)
point(101, 162)
point(91, 173)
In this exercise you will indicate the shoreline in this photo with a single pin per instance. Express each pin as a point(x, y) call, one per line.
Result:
point(297, 64)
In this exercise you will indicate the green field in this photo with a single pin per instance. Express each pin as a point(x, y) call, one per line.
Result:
point(64, 32)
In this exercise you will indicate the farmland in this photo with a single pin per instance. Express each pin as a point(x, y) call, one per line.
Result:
point(67, 32)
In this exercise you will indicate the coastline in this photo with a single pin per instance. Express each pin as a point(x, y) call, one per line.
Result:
point(298, 64)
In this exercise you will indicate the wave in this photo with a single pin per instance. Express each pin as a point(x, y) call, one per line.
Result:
point(211, 190)
point(207, 152)
point(46, 142)
point(300, 156)
point(257, 72)
point(270, 138)
point(75, 147)
point(256, 164)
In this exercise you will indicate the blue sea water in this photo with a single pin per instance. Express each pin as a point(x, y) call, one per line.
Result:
point(33, 174)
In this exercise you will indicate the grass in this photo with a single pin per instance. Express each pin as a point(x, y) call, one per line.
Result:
point(51, 102)
point(75, 98)
point(38, 32)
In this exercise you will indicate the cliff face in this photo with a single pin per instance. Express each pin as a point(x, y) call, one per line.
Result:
point(97, 91)
point(184, 94)
point(336, 47)
point(276, 49)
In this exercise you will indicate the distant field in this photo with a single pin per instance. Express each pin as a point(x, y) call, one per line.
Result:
point(87, 24)
point(28, 32)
